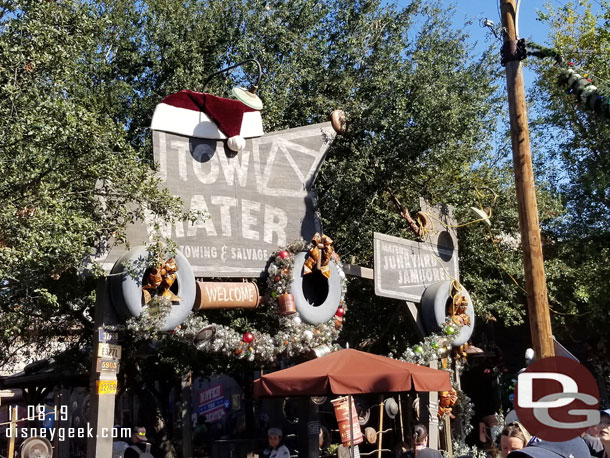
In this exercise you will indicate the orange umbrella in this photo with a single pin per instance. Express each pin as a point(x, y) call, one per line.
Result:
point(351, 372)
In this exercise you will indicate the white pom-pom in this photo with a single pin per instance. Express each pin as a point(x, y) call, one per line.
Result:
point(308, 334)
point(236, 143)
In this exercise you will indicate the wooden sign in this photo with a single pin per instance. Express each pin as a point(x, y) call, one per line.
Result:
point(225, 295)
point(404, 268)
point(106, 386)
point(256, 201)
point(105, 350)
point(107, 365)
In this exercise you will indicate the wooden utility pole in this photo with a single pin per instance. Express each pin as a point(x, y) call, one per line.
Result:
point(535, 281)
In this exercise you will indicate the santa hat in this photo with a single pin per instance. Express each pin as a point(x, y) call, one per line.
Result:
point(206, 116)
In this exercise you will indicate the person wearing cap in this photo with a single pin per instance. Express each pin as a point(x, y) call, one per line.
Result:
point(139, 448)
point(276, 448)
point(574, 448)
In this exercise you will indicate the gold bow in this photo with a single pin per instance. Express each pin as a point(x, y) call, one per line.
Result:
point(458, 310)
point(320, 254)
point(447, 401)
point(161, 279)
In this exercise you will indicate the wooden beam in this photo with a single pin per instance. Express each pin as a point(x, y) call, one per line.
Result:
point(357, 271)
point(416, 318)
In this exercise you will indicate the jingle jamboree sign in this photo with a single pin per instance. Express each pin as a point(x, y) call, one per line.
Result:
point(254, 200)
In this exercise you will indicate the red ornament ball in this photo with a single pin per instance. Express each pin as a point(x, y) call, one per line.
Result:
point(277, 278)
point(248, 337)
point(284, 254)
point(340, 312)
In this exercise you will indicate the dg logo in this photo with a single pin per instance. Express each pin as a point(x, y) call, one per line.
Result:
point(557, 399)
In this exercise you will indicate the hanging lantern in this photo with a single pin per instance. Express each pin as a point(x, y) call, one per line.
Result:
point(286, 304)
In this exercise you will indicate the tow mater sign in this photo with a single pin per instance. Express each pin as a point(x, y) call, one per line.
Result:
point(256, 200)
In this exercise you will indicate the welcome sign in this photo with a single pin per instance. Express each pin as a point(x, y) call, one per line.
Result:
point(254, 201)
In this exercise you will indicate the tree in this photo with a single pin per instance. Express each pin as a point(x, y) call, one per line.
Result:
point(577, 238)
point(80, 81)
point(71, 179)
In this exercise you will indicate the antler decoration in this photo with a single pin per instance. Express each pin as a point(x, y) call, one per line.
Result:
point(320, 254)
point(413, 225)
point(159, 281)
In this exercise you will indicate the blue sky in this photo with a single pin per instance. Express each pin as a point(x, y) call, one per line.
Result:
point(478, 10)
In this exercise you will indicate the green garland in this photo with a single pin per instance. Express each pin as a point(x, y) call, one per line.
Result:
point(465, 407)
point(292, 338)
point(581, 87)
point(434, 347)
point(152, 317)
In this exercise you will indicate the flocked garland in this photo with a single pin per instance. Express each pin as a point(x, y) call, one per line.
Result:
point(589, 95)
point(293, 336)
point(152, 317)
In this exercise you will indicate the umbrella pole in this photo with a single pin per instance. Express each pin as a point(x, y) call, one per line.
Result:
point(380, 433)
point(402, 424)
point(351, 426)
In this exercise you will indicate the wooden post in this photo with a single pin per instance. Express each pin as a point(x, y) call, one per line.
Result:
point(402, 424)
point(448, 442)
point(351, 427)
point(535, 281)
point(11, 441)
point(433, 430)
point(380, 433)
point(185, 413)
point(102, 398)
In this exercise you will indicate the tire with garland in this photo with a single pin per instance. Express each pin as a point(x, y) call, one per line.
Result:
point(126, 280)
point(442, 311)
point(294, 336)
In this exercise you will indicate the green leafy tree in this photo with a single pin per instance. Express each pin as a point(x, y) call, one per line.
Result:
point(576, 138)
point(71, 179)
point(79, 82)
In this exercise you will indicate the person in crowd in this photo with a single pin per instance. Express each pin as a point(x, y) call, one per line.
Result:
point(604, 435)
point(591, 435)
point(420, 445)
point(546, 449)
point(513, 437)
point(139, 448)
point(489, 431)
point(200, 432)
point(276, 447)
point(118, 444)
